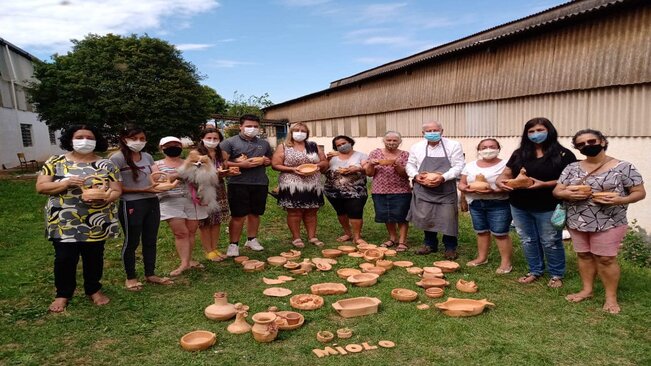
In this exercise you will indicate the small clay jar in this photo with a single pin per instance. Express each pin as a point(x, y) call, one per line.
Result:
point(324, 336)
point(292, 318)
point(221, 309)
point(434, 292)
point(265, 328)
point(344, 333)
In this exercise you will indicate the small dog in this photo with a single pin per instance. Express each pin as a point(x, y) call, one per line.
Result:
point(200, 172)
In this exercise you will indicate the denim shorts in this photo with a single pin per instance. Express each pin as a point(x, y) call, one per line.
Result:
point(491, 215)
point(391, 207)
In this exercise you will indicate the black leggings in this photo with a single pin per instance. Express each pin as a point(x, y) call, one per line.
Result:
point(66, 257)
point(139, 218)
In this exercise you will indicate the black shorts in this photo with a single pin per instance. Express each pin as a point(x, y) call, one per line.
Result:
point(351, 207)
point(247, 199)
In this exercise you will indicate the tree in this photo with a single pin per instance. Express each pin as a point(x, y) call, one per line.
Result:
point(241, 105)
point(216, 104)
point(113, 81)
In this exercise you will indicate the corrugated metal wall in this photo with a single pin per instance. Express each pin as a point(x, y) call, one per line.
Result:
point(568, 74)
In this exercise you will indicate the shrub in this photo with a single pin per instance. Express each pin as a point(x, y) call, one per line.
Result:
point(637, 247)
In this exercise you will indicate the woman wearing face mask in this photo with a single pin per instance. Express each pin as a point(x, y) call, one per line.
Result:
point(77, 227)
point(598, 224)
point(301, 195)
point(544, 159)
point(489, 207)
point(210, 139)
point(345, 187)
point(390, 189)
point(139, 211)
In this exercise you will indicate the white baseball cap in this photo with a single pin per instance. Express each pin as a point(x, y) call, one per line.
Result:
point(168, 139)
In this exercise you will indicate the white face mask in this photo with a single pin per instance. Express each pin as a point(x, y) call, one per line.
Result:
point(135, 145)
point(251, 131)
point(83, 146)
point(299, 136)
point(488, 154)
point(210, 144)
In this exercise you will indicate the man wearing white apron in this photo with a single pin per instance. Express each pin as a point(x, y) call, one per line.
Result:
point(434, 206)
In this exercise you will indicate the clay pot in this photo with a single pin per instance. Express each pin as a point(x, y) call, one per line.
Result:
point(432, 176)
point(463, 307)
point(329, 261)
point(467, 286)
point(240, 325)
point(432, 282)
point(364, 247)
point(434, 292)
point(371, 255)
point(363, 279)
point(291, 255)
point(403, 263)
point(328, 288)
point(306, 266)
point(221, 309)
point(344, 273)
point(277, 292)
point(198, 340)
point(357, 306)
point(521, 181)
point(480, 183)
point(331, 253)
point(347, 248)
point(241, 259)
point(323, 266)
point(386, 264)
point(161, 181)
point(386, 161)
point(324, 336)
point(276, 261)
point(265, 328)
point(292, 320)
point(308, 169)
point(291, 265)
point(377, 270)
point(253, 266)
point(366, 265)
point(447, 266)
point(414, 270)
point(95, 191)
point(404, 295)
point(597, 195)
point(306, 302)
point(432, 272)
point(344, 333)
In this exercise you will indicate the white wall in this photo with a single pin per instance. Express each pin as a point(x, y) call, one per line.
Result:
point(632, 149)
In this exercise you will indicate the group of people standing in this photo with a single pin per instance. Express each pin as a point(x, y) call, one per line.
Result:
point(419, 187)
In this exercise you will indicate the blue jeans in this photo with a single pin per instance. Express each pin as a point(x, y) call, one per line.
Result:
point(539, 240)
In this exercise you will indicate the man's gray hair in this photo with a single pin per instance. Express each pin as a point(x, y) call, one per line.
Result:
point(438, 124)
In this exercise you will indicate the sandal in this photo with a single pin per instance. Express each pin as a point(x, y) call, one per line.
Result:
point(476, 264)
point(555, 282)
point(578, 297)
point(317, 242)
point(159, 280)
point(402, 247)
point(344, 238)
point(215, 256)
point(528, 278)
point(388, 244)
point(502, 271)
point(298, 243)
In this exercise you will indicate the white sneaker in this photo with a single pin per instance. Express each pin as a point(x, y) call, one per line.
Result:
point(233, 250)
point(253, 244)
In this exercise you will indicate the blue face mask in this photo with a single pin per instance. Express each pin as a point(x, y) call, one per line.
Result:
point(433, 136)
point(538, 137)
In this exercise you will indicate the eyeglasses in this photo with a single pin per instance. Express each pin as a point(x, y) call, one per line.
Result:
point(579, 145)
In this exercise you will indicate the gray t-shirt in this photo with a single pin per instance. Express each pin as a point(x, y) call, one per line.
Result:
point(236, 146)
point(144, 172)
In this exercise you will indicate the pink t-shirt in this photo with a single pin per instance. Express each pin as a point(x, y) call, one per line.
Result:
point(386, 179)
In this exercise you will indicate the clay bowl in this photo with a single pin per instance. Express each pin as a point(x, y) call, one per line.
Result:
point(432, 272)
point(308, 169)
point(292, 320)
point(414, 270)
point(271, 281)
point(324, 336)
point(599, 195)
point(382, 249)
point(329, 261)
point(347, 248)
point(323, 266)
point(581, 188)
point(344, 333)
point(403, 264)
point(331, 253)
point(328, 288)
point(447, 266)
point(434, 292)
point(386, 161)
point(291, 255)
point(356, 254)
point(467, 286)
point(276, 261)
point(404, 295)
point(257, 160)
point(386, 264)
point(306, 302)
point(371, 255)
point(463, 307)
point(390, 253)
point(366, 265)
point(291, 265)
point(377, 270)
point(357, 306)
point(240, 259)
point(363, 279)
point(198, 340)
point(432, 282)
point(254, 267)
point(344, 273)
point(277, 292)
point(364, 247)
point(479, 186)
point(250, 262)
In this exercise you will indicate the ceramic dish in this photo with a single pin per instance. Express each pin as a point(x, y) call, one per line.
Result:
point(198, 340)
point(404, 295)
point(363, 279)
point(463, 307)
point(357, 306)
point(344, 273)
point(306, 302)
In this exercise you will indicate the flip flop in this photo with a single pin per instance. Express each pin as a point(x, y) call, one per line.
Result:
point(388, 244)
point(137, 286)
point(528, 278)
point(344, 238)
point(298, 243)
point(215, 256)
point(317, 242)
point(502, 271)
point(476, 264)
point(159, 280)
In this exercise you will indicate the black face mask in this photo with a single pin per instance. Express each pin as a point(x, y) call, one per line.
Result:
point(173, 151)
point(591, 150)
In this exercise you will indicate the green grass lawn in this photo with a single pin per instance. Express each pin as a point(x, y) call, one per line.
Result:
point(530, 325)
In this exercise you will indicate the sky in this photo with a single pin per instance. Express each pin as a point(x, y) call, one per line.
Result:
point(286, 48)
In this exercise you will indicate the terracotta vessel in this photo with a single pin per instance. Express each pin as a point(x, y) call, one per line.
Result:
point(221, 309)
point(414, 270)
point(390, 253)
point(357, 306)
point(521, 181)
point(382, 249)
point(364, 247)
point(480, 184)
point(265, 328)
point(298, 271)
point(463, 307)
point(344, 333)
point(581, 188)
point(308, 169)
point(366, 265)
point(328, 288)
point(323, 266)
point(241, 259)
point(404, 295)
point(161, 181)
point(597, 195)
point(467, 286)
point(277, 292)
point(276, 261)
point(306, 302)
point(386, 264)
point(432, 175)
point(291, 255)
point(434, 292)
point(271, 281)
point(403, 264)
point(292, 320)
point(371, 255)
point(377, 270)
point(329, 261)
point(253, 266)
point(291, 265)
point(363, 279)
point(356, 255)
point(324, 336)
point(344, 273)
point(347, 248)
point(257, 160)
point(240, 325)
point(97, 190)
point(432, 272)
point(331, 253)
point(432, 282)
point(386, 161)
point(306, 265)
point(447, 266)
point(422, 306)
point(286, 278)
point(198, 340)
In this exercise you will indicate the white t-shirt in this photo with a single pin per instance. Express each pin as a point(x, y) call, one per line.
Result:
point(471, 170)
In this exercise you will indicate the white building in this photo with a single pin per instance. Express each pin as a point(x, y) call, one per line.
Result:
point(20, 129)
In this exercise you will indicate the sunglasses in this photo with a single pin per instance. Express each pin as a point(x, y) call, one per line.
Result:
point(579, 145)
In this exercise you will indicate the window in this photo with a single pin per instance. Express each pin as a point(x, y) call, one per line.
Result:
point(53, 138)
point(26, 132)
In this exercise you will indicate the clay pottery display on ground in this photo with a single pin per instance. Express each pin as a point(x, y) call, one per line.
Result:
point(447, 266)
point(306, 302)
point(198, 340)
point(308, 169)
point(291, 255)
point(463, 307)
point(480, 184)
point(265, 328)
point(386, 264)
point(292, 320)
point(364, 247)
point(241, 259)
point(356, 255)
point(363, 279)
point(434, 292)
point(366, 265)
point(221, 309)
point(390, 253)
point(324, 336)
point(375, 269)
point(432, 272)
point(291, 265)
point(403, 264)
point(344, 273)
point(344, 333)
point(521, 181)
point(331, 253)
point(467, 286)
point(277, 292)
point(414, 270)
point(347, 248)
point(328, 288)
point(276, 261)
point(371, 255)
point(404, 295)
point(432, 282)
point(240, 325)
point(357, 306)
